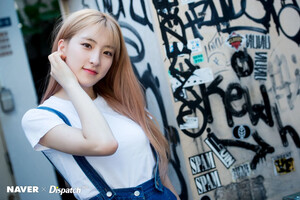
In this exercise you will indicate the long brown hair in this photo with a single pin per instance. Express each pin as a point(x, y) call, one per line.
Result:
point(120, 87)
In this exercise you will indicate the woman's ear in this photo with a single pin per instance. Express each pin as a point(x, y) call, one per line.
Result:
point(61, 47)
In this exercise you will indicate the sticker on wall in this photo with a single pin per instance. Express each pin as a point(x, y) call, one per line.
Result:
point(241, 132)
point(198, 58)
point(194, 45)
point(186, 1)
point(179, 46)
point(250, 188)
point(200, 76)
point(283, 164)
point(240, 172)
point(235, 40)
point(4, 22)
point(222, 153)
point(175, 83)
point(258, 41)
point(208, 182)
point(190, 122)
point(5, 48)
point(202, 162)
point(260, 66)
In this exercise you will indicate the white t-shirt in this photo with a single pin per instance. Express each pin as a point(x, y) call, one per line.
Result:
point(131, 165)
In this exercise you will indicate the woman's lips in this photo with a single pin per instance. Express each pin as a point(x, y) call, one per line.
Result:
point(90, 71)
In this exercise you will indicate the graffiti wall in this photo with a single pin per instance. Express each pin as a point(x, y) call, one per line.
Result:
point(233, 67)
point(223, 79)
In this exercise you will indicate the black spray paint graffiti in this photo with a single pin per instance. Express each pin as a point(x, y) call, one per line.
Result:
point(140, 52)
point(116, 9)
point(106, 6)
point(173, 29)
point(196, 16)
point(198, 19)
point(242, 63)
point(264, 112)
point(284, 130)
point(261, 149)
point(233, 93)
point(172, 26)
point(142, 20)
point(257, 111)
point(152, 83)
point(281, 81)
point(169, 21)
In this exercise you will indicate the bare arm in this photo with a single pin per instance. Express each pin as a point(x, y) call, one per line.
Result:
point(95, 137)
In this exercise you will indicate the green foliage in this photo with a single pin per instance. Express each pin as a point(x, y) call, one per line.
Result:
point(39, 15)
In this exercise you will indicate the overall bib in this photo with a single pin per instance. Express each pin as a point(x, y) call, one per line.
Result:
point(152, 189)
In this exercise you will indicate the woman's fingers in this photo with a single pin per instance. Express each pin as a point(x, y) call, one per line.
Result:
point(60, 71)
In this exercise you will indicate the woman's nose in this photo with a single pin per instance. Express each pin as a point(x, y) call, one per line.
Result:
point(95, 58)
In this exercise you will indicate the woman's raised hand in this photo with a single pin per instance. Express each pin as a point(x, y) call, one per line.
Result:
point(94, 138)
point(60, 71)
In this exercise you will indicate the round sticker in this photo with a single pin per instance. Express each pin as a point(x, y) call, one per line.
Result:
point(241, 132)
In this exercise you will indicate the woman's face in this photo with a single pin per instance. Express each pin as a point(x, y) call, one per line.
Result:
point(89, 54)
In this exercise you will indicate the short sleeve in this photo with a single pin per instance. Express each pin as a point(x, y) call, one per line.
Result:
point(36, 123)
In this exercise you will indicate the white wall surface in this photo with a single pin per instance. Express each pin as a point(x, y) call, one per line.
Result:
point(30, 168)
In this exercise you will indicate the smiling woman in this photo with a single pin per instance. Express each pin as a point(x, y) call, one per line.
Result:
point(89, 54)
point(92, 118)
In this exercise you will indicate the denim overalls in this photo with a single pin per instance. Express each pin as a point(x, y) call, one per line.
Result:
point(152, 189)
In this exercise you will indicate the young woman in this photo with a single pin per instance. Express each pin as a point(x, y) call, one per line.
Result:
point(92, 123)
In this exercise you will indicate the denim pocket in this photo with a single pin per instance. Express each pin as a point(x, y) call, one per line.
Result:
point(169, 195)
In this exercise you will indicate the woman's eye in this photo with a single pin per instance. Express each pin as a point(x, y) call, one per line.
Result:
point(108, 53)
point(86, 45)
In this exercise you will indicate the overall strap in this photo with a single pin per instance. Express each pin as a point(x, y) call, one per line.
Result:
point(59, 114)
point(88, 170)
point(158, 184)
